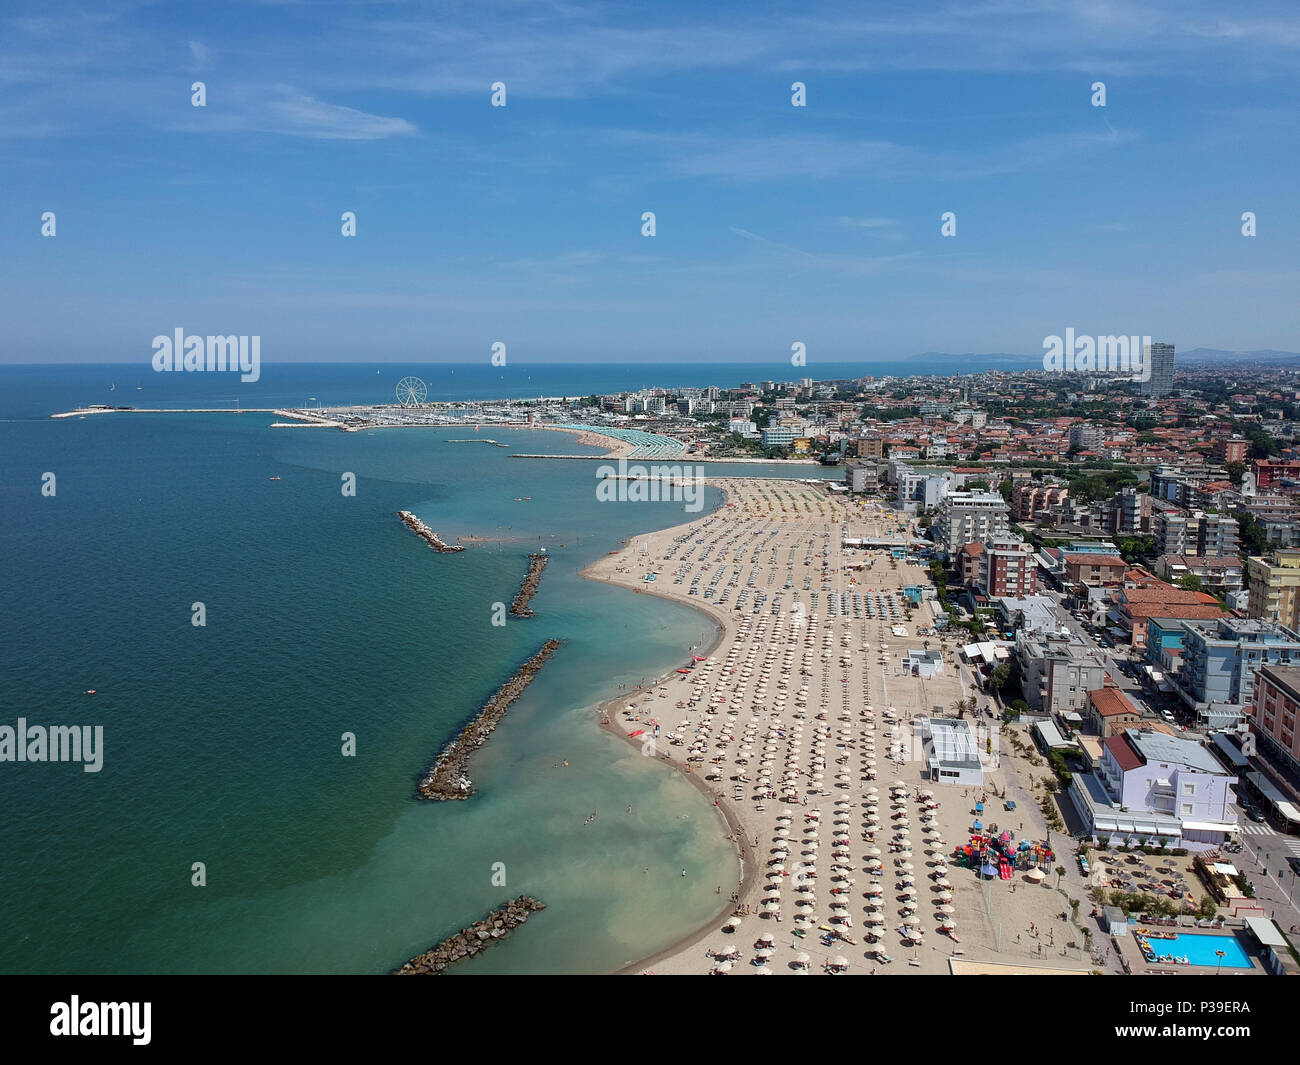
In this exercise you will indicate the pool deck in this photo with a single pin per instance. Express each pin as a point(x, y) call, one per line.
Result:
point(1139, 966)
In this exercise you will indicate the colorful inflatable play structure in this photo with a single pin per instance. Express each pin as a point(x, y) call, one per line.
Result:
point(1000, 856)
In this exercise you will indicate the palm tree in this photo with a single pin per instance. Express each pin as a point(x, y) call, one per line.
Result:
point(963, 706)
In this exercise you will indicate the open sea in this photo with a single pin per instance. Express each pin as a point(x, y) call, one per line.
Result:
point(222, 743)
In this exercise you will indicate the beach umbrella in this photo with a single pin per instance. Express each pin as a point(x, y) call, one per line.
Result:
point(945, 908)
point(723, 967)
point(802, 959)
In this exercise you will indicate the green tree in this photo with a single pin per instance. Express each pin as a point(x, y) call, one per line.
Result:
point(1191, 582)
point(1000, 676)
point(1251, 532)
point(1132, 548)
point(1262, 446)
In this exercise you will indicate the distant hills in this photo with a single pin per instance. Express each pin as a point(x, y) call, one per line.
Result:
point(1218, 355)
point(947, 362)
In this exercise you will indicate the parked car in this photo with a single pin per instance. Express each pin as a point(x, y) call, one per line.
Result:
point(1294, 863)
point(1255, 815)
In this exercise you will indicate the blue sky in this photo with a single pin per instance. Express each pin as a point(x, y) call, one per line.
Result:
point(522, 224)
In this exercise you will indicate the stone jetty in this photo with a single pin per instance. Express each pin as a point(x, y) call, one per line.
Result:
point(471, 941)
point(425, 533)
point(447, 779)
point(536, 563)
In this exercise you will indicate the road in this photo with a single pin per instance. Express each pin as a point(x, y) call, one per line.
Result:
point(1264, 861)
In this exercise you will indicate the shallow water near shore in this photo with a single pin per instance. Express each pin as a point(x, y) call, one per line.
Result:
point(325, 616)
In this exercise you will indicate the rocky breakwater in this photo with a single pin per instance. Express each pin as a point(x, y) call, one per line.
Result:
point(447, 779)
point(536, 563)
point(469, 942)
point(425, 533)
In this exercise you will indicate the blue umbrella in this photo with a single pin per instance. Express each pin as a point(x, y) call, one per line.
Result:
point(978, 826)
point(989, 870)
point(979, 807)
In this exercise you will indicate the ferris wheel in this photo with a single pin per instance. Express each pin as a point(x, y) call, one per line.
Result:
point(411, 391)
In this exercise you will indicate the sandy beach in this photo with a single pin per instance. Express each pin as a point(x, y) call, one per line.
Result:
point(614, 447)
point(799, 723)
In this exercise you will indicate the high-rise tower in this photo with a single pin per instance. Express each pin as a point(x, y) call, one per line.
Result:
point(1160, 357)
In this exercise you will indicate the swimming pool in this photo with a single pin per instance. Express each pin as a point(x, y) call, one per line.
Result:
point(1199, 950)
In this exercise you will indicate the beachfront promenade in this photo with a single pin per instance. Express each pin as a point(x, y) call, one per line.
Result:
point(800, 725)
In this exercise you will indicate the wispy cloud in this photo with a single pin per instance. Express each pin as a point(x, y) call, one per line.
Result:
point(869, 223)
point(286, 110)
point(825, 157)
point(800, 257)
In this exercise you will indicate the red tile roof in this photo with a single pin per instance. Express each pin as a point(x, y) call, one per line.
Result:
point(1111, 701)
point(1182, 611)
point(1122, 752)
point(1086, 559)
point(1166, 593)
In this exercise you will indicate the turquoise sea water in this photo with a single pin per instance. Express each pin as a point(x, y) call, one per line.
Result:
point(324, 616)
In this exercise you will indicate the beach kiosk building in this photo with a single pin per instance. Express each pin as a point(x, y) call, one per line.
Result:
point(951, 753)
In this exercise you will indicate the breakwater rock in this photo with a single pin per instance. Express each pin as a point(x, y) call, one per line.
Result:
point(536, 563)
point(473, 940)
point(447, 779)
point(425, 533)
